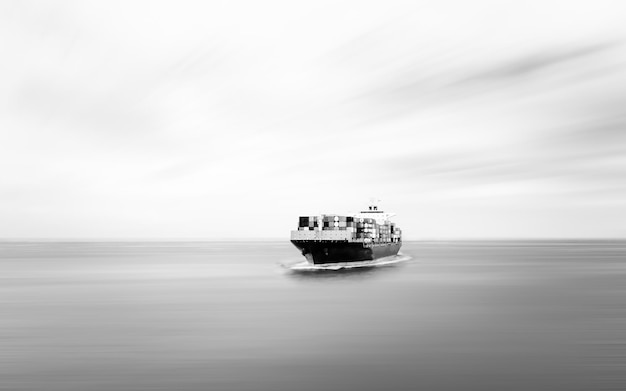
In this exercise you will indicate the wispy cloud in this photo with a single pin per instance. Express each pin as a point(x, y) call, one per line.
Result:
point(528, 65)
point(121, 112)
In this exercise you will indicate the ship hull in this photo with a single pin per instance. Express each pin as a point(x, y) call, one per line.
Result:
point(323, 252)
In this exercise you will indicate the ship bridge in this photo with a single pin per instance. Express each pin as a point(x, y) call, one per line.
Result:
point(373, 212)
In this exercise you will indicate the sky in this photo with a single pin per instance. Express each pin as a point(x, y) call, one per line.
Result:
point(229, 119)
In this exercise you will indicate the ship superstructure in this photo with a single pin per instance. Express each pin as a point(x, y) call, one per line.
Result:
point(332, 238)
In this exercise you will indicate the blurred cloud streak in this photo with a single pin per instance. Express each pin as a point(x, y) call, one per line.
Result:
point(148, 119)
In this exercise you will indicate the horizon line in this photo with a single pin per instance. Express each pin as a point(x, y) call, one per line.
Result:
point(281, 239)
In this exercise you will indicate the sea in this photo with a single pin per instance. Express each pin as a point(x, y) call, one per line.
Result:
point(174, 316)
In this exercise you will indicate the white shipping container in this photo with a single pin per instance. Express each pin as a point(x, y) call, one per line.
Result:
point(303, 235)
point(334, 235)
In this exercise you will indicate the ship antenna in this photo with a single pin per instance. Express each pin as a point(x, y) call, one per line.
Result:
point(374, 203)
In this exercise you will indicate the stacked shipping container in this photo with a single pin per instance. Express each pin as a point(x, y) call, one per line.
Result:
point(307, 223)
point(360, 228)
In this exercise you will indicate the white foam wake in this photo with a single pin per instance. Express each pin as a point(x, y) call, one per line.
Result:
point(306, 266)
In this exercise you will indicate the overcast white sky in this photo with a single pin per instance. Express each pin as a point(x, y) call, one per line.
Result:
point(207, 119)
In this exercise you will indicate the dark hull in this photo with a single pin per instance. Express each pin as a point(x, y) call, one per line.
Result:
point(321, 252)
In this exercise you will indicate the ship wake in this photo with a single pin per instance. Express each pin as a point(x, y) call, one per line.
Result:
point(386, 261)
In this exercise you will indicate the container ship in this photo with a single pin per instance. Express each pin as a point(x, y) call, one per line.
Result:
point(360, 237)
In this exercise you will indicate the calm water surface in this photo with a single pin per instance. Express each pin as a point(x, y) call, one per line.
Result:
point(475, 315)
